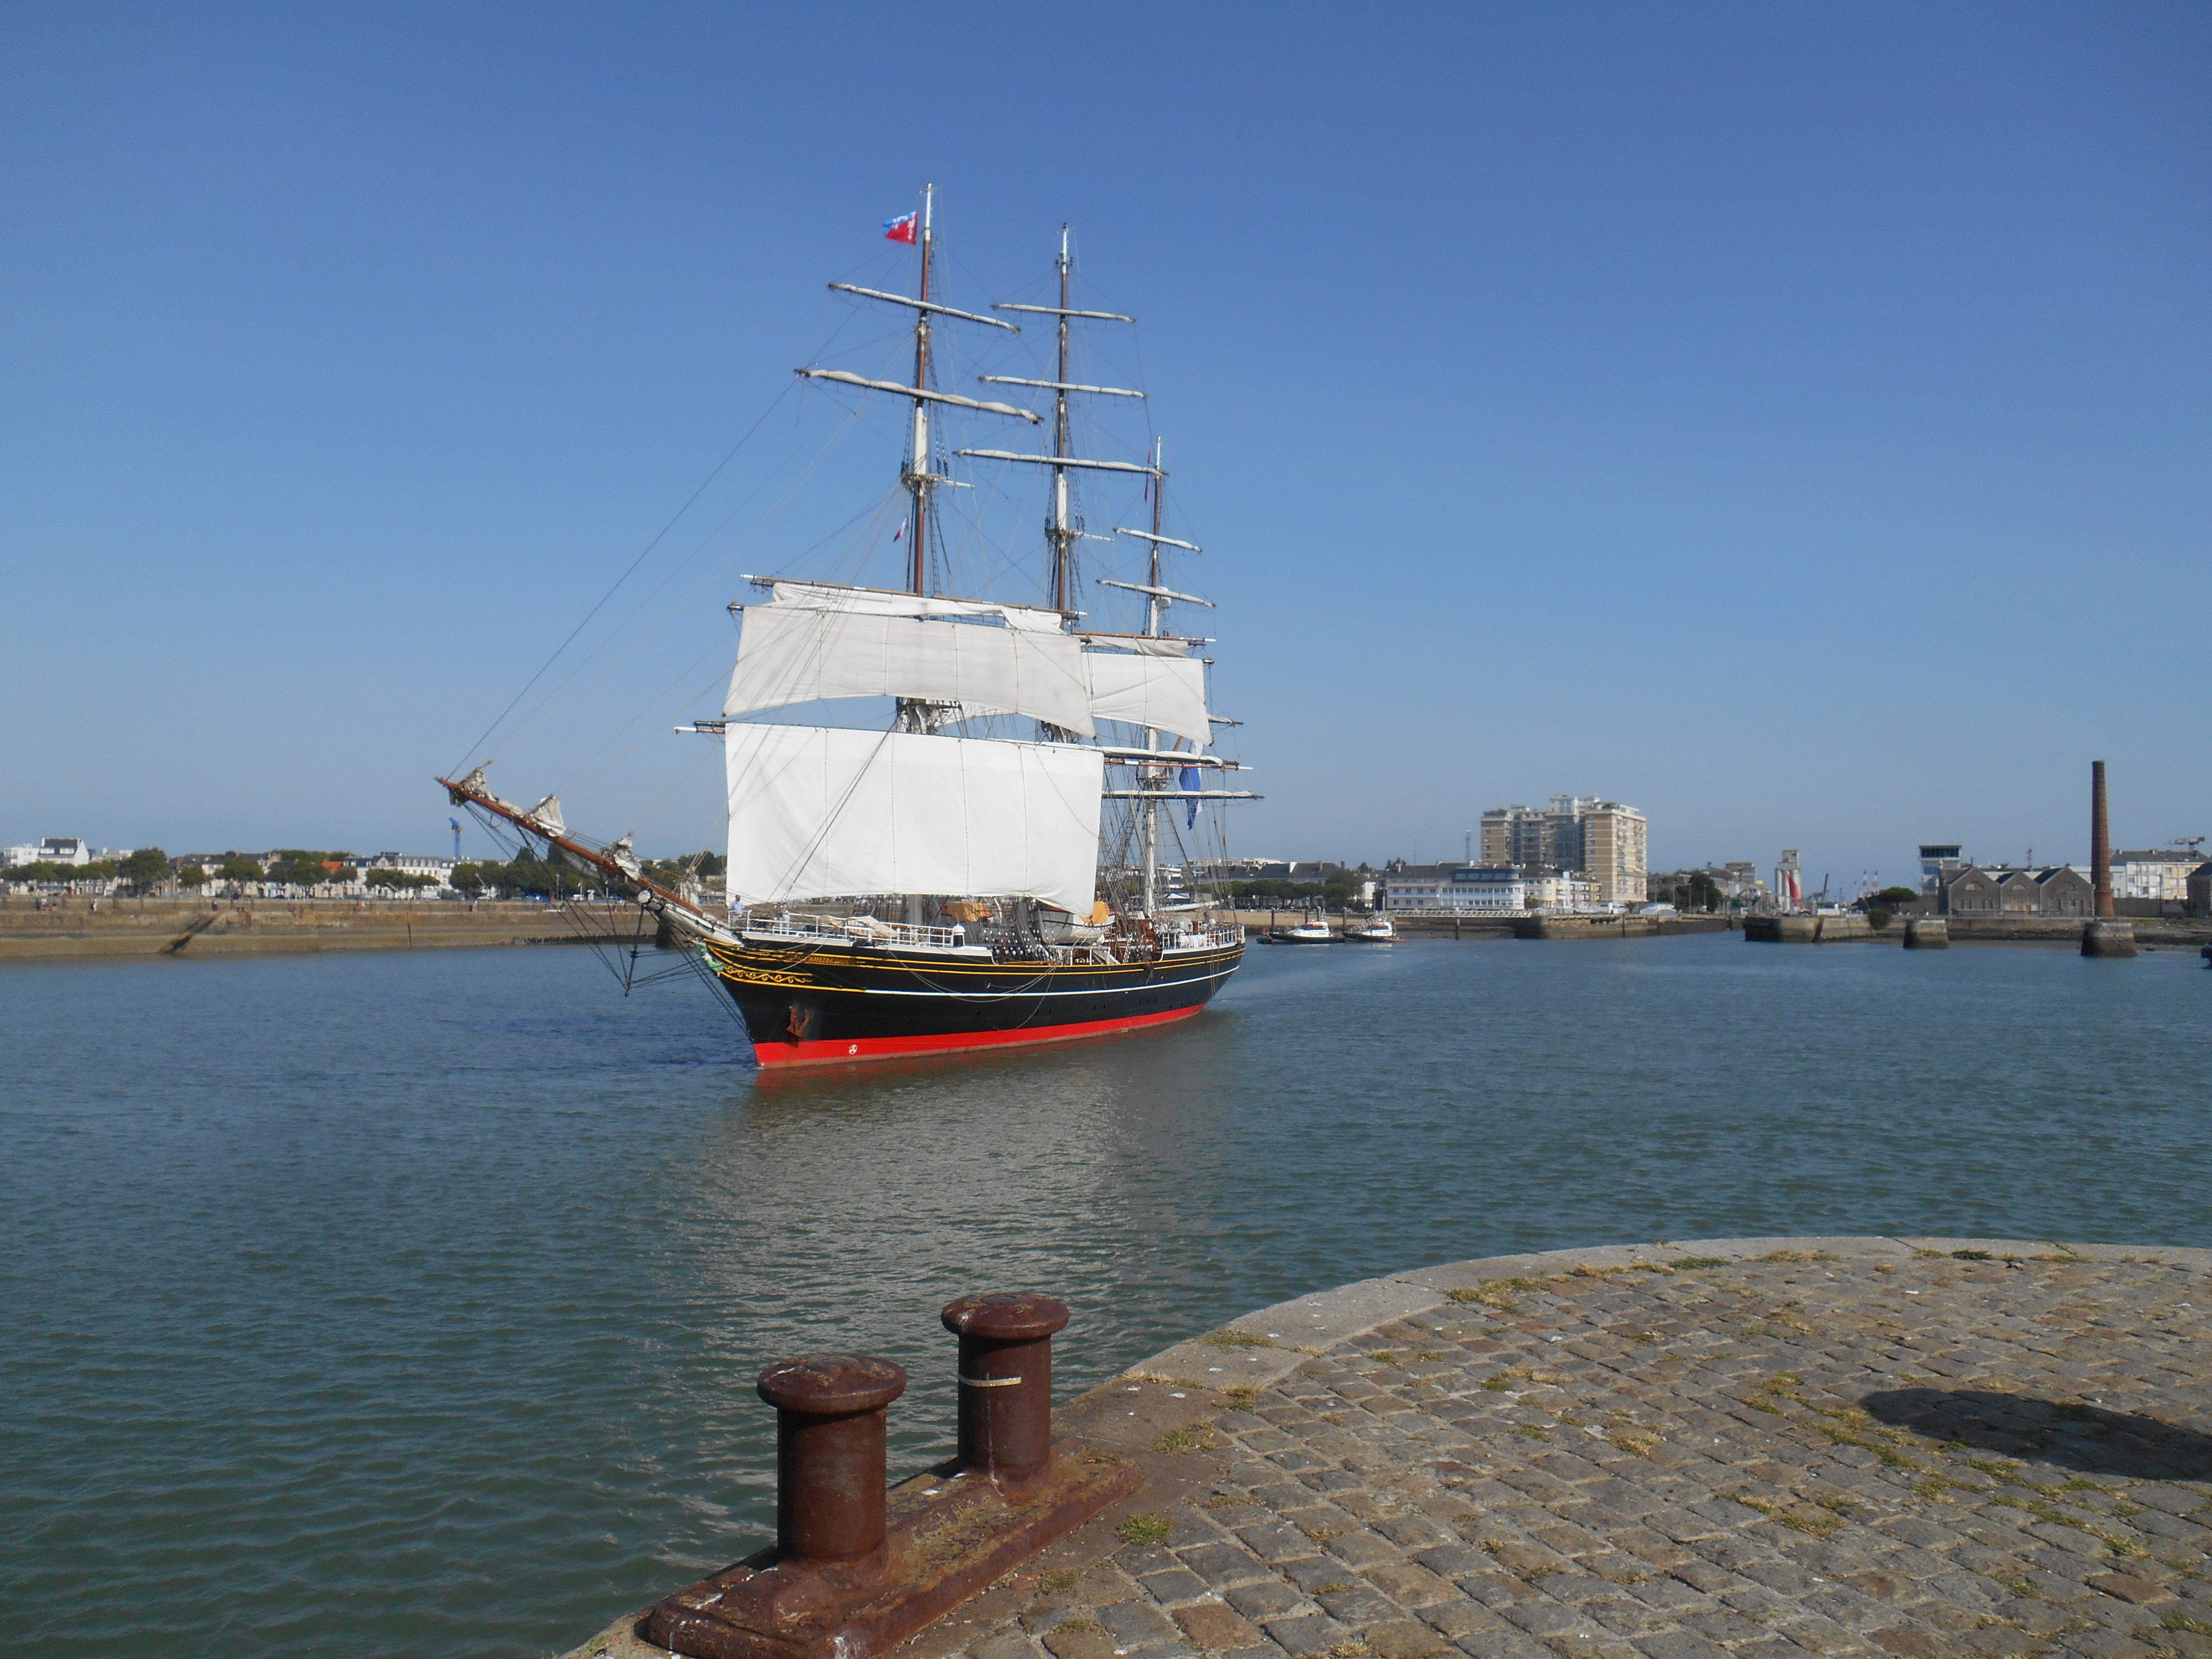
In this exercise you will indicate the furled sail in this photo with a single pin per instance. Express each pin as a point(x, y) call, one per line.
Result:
point(884, 602)
point(1163, 645)
point(816, 812)
point(794, 653)
point(1166, 692)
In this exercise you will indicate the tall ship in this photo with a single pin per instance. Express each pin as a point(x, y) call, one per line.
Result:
point(1007, 854)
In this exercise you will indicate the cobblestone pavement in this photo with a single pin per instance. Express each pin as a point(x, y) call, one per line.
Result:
point(1826, 1451)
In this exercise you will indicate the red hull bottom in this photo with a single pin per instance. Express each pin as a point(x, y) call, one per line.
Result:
point(779, 1055)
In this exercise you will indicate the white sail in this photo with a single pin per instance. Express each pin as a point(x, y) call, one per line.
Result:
point(793, 654)
point(1166, 692)
point(816, 812)
point(881, 602)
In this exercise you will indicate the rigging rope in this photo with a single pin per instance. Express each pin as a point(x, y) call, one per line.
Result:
point(642, 558)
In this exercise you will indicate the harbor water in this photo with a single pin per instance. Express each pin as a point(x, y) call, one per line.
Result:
point(410, 1303)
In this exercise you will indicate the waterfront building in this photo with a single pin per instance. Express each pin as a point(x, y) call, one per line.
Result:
point(1455, 889)
point(54, 849)
point(1616, 855)
point(2057, 889)
point(1938, 858)
point(1734, 886)
point(1568, 891)
point(2158, 873)
point(1607, 841)
point(412, 863)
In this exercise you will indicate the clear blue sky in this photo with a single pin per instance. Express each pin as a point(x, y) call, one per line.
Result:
point(1791, 419)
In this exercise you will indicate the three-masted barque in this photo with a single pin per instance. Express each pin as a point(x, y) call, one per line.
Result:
point(991, 866)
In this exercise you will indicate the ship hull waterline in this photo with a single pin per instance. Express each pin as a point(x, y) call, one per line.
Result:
point(838, 1004)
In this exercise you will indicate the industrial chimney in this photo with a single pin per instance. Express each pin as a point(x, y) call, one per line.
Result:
point(2100, 840)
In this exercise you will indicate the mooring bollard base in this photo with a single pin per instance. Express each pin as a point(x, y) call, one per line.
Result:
point(2105, 936)
point(950, 1537)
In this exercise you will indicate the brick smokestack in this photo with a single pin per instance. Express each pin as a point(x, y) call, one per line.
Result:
point(2100, 840)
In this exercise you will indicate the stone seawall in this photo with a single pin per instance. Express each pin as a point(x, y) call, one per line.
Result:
point(84, 928)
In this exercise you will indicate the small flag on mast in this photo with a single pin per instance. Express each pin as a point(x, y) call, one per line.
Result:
point(901, 230)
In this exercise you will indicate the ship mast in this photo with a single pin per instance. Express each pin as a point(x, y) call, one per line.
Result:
point(1060, 531)
point(915, 714)
point(917, 477)
point(1155, 602)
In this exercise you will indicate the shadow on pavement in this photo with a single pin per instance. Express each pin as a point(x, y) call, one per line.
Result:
point(2070, 1435)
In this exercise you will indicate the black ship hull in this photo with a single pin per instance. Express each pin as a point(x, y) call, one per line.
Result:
point(809, 1003)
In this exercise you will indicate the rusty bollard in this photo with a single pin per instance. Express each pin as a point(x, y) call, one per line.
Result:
point(830, 1453)
point(1005, 1381)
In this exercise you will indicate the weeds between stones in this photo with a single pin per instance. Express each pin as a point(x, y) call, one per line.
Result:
point(1687, 1263)
point(1818, 1525)
point(1146, 1530)
point(1239, 1400)
point(1236, 1339)
point(1199, 1436)
point(1059, 1583)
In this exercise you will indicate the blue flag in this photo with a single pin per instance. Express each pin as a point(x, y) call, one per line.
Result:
point(1190, 781)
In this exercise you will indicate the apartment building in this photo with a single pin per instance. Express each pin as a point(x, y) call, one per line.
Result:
point(1605, 840)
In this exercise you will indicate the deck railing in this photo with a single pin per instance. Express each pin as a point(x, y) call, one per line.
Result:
point(846, 929)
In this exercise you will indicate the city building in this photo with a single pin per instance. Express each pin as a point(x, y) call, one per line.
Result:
point(52, 850)
point(412, 863)
point(1456, 889)
point(1605, 840)
point(1569, 890)
point(2160, 873)
point(1741, 881)
point(1733, 886)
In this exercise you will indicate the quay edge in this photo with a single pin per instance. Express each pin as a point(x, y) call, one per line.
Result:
point(1401, 1543)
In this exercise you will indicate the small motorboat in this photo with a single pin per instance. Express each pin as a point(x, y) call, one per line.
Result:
point(1311, 930)
point(1376, 931)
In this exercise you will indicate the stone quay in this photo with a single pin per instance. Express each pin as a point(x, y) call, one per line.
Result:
point(1920, 1448)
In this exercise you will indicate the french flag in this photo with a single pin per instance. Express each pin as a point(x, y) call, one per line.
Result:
point(900, 229)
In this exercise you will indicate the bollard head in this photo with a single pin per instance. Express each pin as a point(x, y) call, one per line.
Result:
point(832, 1385)
point(1005, 1317)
